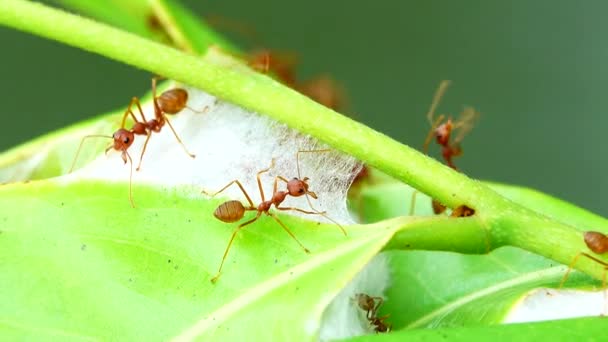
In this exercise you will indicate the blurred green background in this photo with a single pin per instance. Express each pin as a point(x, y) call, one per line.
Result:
point(536, 70)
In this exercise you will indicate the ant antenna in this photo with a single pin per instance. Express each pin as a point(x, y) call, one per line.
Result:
point(80, 147)
point(130, 179)
point(322, 213)
point(443, 86)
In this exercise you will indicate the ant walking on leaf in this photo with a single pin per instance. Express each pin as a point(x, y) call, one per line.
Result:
point(232, 211)
point(169, 102)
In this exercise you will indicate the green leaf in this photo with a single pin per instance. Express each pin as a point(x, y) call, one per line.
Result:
point(439, 289)
point(427, 288)
point(87, 265)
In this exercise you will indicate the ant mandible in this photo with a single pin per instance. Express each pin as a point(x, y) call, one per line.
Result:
point(170, 102)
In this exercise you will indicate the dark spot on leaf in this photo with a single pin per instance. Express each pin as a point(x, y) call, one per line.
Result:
point(130, 280)
point(83, 247)
point(176, 267)
point(276, 261)
point(169, 261)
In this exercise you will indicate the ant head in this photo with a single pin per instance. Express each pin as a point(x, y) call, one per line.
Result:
point(443, 131)
point(298, 187)
point(172, 101)
point(122, 139)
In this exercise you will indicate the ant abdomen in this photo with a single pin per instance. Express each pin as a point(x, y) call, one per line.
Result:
point(230, 211)
point(596, 241)
point(172, 101)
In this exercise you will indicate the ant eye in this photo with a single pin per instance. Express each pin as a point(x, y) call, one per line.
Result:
point(301, 191)
point(126, 141)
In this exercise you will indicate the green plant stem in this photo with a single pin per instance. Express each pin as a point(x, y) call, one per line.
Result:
point(259, 93)
point(254, 92)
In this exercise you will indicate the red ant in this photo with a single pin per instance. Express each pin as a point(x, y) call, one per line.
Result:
point(282, 65)
point(169, 102)
point(371, 306)
point(324, 90)
point(462, 211)
point(321, 89)
point(442, 131)
point(598, 243)
point(232, 211)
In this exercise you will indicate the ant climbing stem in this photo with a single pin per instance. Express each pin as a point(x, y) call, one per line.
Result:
point(443, 86)
point(597, 242)
point(443, 130)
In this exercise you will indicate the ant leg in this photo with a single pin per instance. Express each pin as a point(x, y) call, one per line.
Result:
point(260, 181)
point(236, 230)
point(572, 263)
point(276, 181)
point(575, 260)
point(143, 150)
point(322, 213)
point(154, 80)
point(300, 210)
point(226, 187)
point(289, 232)
point(177, 137)
point(134, 100)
